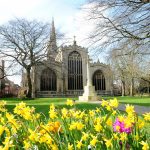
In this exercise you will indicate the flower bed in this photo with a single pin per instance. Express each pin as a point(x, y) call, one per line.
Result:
point(72, 129)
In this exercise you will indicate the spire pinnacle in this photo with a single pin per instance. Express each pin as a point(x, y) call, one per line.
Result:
point(53, 34)
point(53, 26)
point(52, 47)
point(74, 41)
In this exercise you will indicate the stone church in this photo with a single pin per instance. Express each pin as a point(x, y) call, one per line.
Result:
point(65, 72)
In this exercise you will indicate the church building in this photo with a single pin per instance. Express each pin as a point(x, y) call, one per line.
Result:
point(64, 72)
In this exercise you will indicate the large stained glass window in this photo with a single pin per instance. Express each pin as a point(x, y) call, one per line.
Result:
point(75, 78)
point(99, 80)
point(48, 80)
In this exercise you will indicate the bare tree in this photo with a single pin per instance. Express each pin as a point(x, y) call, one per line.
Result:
point(119, 20)
point(2, 73)
point(127, 64)
point(25, 42)
point(122, 28)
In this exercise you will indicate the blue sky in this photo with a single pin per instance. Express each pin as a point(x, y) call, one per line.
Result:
point(67, 13)
point(68, 16)
point(39, 9)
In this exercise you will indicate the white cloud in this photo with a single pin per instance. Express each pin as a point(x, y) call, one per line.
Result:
point(78, 25)
point(68, 18)
point(16, 8)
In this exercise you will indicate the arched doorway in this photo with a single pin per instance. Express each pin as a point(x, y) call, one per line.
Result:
point(99, 80)
point(75, 77)
point(48, 80)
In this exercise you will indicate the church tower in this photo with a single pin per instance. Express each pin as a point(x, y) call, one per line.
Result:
point(52, 46)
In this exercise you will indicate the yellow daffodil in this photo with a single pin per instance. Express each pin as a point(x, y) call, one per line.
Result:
point(108, 108)
point(70, 102)
point(109, 122)
point(64, 112)
point(114, 112)
point(108, 143)
point(115, 136)
point(8, 143)
point(117, 128)
point(24, 111)
point(130, 109)
point(98, 110)
point(33, 135)
point(52, 114)
point(2, 120)
point(104, 103)
point(81, 115)
point(54, 147)
point(48, 138)
point(72, 126)
point(11, 118)
point(70, 146)
point(121, 118)
point(123, 136)
point(147, 116)
point(136, 137)
point(128, 123)
point(27, 144)
point(84, 136)
point(91, 113)
point(98, 127)
point(145, 145)
point(1, 130)
point(93, 141)
point(79, 126)
point(114, 103)
point(7, 131)
point(42, 139)
point(76, 125)
point(52, 107)
point(79, 144)
point(2, 106)
point(140, 123)
point(97, 120)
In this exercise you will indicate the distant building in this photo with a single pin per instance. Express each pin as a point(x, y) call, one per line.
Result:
point(7, 87)
point(2, 81)
point(65, 72)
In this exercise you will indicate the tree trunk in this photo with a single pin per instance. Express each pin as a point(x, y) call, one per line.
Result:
point(33, 82)
point(29, 94)
point(131, 87)
point(149, 89)
point(123, 88)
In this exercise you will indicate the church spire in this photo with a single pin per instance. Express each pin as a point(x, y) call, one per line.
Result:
point(52, 47)
point(74, 41)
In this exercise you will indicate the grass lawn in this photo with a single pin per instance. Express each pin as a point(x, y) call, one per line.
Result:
point(42, 104)
point(142, 101)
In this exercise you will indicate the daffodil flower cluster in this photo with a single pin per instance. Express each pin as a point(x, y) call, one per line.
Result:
point(125, 123)
point(69, 128)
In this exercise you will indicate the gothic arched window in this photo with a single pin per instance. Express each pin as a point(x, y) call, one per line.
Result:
point(99, 80)
point(48, 80)
point(75, 78)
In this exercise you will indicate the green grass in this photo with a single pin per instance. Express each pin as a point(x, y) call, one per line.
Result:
point(142, 101)
point(42, 104)
point(37, 101)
